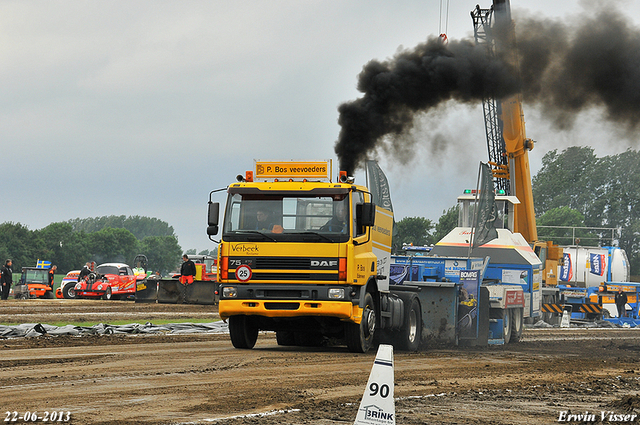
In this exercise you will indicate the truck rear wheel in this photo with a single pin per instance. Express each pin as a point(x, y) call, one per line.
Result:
point(506, 326)
point(360, 336)
point(411, 332)
point(243, 331)
point(517, 324)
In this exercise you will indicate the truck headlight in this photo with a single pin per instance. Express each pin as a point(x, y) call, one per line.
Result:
point(230, 292)
point(336, 293)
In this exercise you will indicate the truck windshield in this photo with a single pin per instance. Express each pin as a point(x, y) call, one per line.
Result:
point(288, 218)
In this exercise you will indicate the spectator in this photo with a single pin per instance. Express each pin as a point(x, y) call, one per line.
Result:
point(52, 272)
point(621, 302)
point(6, 277)
point(187, 271)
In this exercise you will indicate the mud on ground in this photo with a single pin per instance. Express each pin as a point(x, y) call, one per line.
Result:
point(173, 379)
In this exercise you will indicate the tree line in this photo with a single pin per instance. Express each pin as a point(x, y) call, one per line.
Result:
point(103, 239)
point(577, 188)
point(573, 188)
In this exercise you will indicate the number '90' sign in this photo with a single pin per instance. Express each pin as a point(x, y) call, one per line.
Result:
point(243, 273)
point(381, 390)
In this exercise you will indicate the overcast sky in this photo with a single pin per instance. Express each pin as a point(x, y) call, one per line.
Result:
point(142, 108)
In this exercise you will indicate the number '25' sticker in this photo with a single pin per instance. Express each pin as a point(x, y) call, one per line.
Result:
point(243, 273)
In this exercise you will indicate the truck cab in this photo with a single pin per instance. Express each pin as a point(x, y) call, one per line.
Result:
point(302, 255)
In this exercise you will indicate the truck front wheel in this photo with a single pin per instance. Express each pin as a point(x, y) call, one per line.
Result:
point(360, 336)
point(243, 331)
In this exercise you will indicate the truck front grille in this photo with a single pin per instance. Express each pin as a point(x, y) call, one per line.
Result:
point(283, 263)
point(288, 269)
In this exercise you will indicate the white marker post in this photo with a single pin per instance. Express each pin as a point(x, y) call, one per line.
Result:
point(377, 406)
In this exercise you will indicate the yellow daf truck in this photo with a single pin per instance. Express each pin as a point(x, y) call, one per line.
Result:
point(308, 258)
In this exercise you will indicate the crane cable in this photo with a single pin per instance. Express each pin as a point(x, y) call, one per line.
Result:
point(444, 7)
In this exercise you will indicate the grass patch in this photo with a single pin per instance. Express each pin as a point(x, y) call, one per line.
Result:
point(125, 322)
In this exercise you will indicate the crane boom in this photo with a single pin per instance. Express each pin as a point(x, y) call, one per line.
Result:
point(504, 120)
point(506, 138)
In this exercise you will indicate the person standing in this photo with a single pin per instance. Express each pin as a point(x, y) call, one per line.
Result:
point(187, 271)
point(52, 272)
point(6, 278)
point(621, 302)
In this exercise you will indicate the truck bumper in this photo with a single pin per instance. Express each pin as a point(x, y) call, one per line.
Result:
point(342, 310)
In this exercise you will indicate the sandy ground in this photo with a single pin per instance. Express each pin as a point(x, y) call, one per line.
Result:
point(177, 379)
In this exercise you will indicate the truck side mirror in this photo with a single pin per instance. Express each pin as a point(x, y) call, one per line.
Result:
point(366, 213)
point(212, 218)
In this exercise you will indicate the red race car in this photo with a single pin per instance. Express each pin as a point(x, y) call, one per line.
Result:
point(110, 281)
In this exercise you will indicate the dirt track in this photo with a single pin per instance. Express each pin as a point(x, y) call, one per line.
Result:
point(202, 379)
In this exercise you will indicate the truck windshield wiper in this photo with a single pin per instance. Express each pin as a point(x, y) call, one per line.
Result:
point(255, 232)
point(317, 234)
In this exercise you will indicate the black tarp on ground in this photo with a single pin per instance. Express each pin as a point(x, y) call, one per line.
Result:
point(37, 329)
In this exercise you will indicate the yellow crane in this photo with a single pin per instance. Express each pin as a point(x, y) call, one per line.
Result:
point(507, 142)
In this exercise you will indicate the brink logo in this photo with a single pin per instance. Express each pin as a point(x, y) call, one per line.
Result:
point(377, 415)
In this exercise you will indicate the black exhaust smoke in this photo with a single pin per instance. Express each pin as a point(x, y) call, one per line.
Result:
point(563, 68)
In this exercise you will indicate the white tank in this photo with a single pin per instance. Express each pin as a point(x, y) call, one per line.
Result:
point(620, 268)
point(590, 266)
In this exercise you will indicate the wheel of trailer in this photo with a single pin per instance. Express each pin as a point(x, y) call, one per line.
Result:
point(285, 338)
point(517, 324)
point(243, 331)
point(68, 291)
point(360, 337)
point(411, 332)
point(506, 326)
